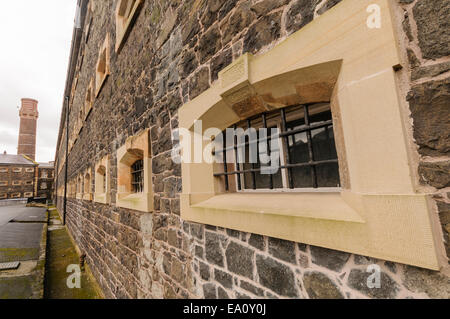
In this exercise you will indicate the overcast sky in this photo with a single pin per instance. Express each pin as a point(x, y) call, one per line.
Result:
point(35, 39)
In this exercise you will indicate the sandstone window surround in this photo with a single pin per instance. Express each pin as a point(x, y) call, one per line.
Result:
point(74, 88)
point(80, 120)
point(80, 189)
point(28, 195)
point(379, 211)
point(3, 183)
point(126, 12)
point(72, 189)
point(136, 148)
point(16, 195)
point(3, 170)
point(28, 183)
point(89, 100)
point(29, 170)
point(87, 192)
point(17, 170)
point(16, 183)
point(88, 29)
point(102, 69)
point(102, 183)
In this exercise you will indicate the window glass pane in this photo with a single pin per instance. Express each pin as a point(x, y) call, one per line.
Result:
point(328, 175)
point(299, 153)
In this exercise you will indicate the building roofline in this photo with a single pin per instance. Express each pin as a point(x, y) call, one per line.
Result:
point(73, 60)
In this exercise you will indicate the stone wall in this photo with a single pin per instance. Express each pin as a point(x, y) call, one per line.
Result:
point(426, 29)
point(173, 53)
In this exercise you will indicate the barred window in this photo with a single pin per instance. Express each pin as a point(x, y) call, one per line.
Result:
point(297, 145)
point(104, 182)
point(137, 176)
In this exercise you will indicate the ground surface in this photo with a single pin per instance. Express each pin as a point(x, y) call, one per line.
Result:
point(21, 235)
point(60, 254)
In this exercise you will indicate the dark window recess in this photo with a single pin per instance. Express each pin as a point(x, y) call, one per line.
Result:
point(308, 157)
point(137, 177)
point(104, 182)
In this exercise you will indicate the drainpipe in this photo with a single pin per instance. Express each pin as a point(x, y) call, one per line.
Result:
point(67, 160)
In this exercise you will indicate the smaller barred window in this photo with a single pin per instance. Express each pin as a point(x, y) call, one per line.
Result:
point(137, 174)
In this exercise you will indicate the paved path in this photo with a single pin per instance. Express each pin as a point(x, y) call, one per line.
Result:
point(8, 213)
point(20, 240)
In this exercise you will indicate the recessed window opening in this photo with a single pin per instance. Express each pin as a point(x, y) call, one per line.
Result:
point(300, 138)
point(137, 177)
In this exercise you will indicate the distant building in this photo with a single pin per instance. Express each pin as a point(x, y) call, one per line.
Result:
point(20, 175)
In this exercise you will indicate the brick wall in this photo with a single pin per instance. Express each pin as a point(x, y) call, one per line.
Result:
point(173, 53)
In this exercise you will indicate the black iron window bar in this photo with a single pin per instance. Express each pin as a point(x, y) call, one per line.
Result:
point(104, 182)
point(137, 174)
point(284, 134)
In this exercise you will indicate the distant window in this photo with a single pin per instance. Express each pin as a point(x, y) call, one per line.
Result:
point(16, 183)
point(89, 100)
point(102, 69)
point(29, 183)
point(44, 185)
point(3, 170)
point(134, 189)
point(79, 186)
point(88, 29)
point(87, 183)
point(28, 195)
point(126, 11)
point(44, 174)
point(29, 170)
point(17, 170)
point(3, 183)
point(15, 195)
point(3, 196)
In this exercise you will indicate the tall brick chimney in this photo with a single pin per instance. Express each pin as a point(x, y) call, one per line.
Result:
point(28, 124)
